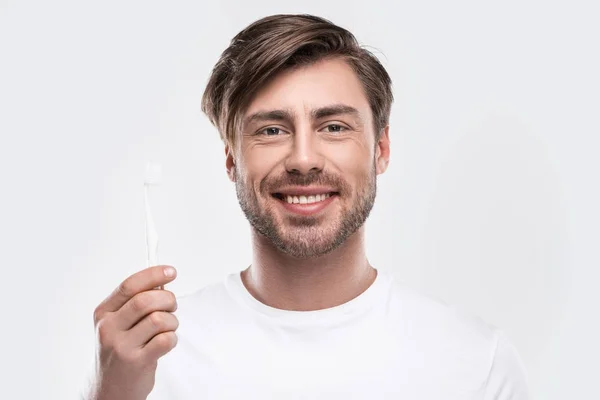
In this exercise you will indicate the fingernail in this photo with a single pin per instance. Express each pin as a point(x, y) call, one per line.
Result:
point(169, 272)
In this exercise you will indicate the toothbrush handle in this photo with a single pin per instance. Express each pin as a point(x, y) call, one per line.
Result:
point(151, 237)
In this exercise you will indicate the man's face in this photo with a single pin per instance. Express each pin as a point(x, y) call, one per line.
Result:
point(306, 162)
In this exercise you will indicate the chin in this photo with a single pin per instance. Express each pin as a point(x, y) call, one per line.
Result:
point(306, 252)
point(307, 243)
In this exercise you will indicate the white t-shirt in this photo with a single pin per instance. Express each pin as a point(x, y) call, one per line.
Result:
point(388, 343)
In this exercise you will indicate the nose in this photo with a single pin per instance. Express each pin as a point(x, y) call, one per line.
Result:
point(305, 155)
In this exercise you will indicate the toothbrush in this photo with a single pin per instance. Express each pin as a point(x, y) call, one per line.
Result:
point(152, 177)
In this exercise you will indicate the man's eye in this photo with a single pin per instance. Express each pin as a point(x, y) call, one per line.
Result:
point(271, 131)
point(335, 128)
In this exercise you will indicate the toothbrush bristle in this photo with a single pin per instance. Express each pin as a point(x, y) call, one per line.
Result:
point(153, 174)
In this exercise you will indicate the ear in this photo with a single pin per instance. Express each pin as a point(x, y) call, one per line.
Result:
point(230, 163)
point(382, 151)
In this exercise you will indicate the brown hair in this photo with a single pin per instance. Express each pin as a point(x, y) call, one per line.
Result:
point(279, 42)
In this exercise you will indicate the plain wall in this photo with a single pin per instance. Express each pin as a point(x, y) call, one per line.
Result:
point(490, 202)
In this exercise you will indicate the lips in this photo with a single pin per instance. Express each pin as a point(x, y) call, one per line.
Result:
point(305, 190)
point(309, 208)
point(304, 195)
point(303, 199)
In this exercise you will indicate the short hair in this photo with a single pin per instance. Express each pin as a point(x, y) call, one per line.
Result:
point(281, 42)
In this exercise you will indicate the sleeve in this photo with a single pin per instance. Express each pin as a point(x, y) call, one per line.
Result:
point(507, 379)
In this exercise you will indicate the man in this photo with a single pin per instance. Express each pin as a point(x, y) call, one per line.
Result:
point(303, 111)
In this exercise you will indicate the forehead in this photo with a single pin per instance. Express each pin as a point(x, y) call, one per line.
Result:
point(305, 88)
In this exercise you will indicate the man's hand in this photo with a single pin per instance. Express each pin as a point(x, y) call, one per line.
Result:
point(134, 328)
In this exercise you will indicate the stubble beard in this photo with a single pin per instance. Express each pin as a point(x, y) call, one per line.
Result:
point(304, 236)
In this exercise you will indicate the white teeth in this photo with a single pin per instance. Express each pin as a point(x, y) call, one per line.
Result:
point(306, 199)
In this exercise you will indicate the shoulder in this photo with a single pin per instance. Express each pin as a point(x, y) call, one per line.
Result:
point(212, 296)
point(462, 344)
point(432, 317)
point(200, 304)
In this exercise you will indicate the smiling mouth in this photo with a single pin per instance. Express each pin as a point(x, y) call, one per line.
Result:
point(304, 199)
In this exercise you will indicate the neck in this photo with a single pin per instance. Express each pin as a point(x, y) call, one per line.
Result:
point(289, 283)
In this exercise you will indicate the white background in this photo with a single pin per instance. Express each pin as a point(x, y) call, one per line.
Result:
point(490, 200)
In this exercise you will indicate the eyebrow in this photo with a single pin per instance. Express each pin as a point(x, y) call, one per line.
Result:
point(335, 109)
point(317, 113)
point(272, 115)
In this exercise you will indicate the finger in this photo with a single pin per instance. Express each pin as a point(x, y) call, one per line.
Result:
point(143, 304)
point(152, 325)
point(160, 345)
point(146, 279)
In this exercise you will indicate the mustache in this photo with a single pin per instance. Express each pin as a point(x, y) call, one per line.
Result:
point(270, 185)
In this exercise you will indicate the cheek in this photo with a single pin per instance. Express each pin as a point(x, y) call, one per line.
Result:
point(257, 163)
point(352, 160)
